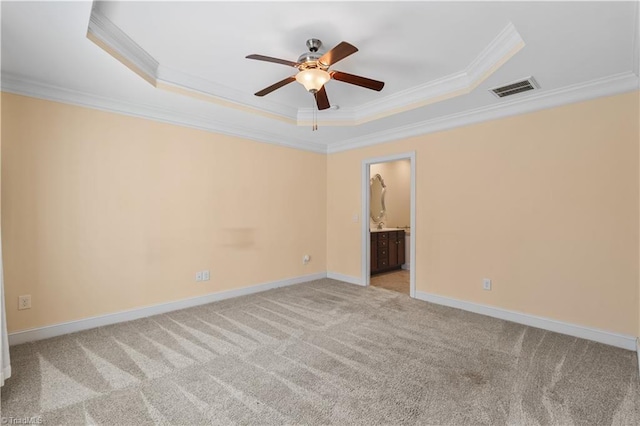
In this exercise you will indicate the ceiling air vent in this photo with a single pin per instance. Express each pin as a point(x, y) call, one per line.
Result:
point(517, 87)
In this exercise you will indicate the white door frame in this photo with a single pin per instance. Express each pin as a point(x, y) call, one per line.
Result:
point(366, 239)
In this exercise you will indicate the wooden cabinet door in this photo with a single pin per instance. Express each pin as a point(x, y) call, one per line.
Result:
point(393, 249)
point(401, 249)
point(374, 258)
point(374, 253)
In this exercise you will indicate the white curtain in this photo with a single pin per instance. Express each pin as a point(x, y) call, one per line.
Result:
point(5, 366)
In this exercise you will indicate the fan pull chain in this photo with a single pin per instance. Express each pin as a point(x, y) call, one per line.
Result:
point(315, 118)
point(314, 124)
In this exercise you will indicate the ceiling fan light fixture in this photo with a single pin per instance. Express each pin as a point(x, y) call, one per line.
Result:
point(313, 79)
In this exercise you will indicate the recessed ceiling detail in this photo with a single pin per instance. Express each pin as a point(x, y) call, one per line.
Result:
point(498, 52)
point(195, 52)
point(115, 42)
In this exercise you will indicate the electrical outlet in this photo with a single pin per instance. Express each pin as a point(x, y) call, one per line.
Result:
point(24, 302)
point(306, 259)
point(199, 276)
point(206, 275)
point(486, 284)
point(355, 218)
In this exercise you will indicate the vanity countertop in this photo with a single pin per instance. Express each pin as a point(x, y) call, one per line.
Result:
point(387, 229)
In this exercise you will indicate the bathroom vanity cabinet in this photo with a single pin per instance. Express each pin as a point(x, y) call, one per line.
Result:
point(387, 250)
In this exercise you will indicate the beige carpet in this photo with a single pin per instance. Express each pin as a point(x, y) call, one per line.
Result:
point(322, 353)
point(394, 281)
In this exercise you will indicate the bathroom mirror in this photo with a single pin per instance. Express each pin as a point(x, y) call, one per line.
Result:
point(377, 189)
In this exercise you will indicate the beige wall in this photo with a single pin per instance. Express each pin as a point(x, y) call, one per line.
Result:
point(103, 212)
point(397, 178)
point(545, 204)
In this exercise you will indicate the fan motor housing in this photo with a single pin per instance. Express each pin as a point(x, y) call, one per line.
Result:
point(311, 58)
point(314, 44)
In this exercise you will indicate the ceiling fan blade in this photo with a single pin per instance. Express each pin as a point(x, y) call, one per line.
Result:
point(322, 100)
point(357, 80)
point(273, 87)
point(338, 53)
point(274, 60)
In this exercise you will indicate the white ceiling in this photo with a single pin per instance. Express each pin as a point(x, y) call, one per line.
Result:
point(574, 50)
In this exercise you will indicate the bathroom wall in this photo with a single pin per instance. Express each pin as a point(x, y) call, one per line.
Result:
point(103, 212)
point(397, 178)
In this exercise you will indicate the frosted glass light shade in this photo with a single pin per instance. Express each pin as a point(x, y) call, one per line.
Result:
point(313, 79)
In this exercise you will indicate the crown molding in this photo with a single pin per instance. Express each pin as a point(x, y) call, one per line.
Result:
point(201, 89)
point(612, 85)
point(115, 42)
point(110, 38)
point(20, 86)
point(506, 44)
point(118, 44)
point(607, 86)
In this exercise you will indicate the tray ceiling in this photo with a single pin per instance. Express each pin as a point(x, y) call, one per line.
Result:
point(183, 62)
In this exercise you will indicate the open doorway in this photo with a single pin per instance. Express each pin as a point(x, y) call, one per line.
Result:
point(388, 225)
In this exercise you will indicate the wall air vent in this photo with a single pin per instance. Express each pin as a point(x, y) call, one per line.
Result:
point(516, 87)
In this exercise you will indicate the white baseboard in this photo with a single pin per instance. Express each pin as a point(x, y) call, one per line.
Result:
point(346, 278)
point(5, 373)
point(638, 353)
point(406, 267)
point(606, 337)
point(98, 321)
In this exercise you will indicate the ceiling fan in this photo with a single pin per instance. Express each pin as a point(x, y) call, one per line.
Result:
point(313, 71)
